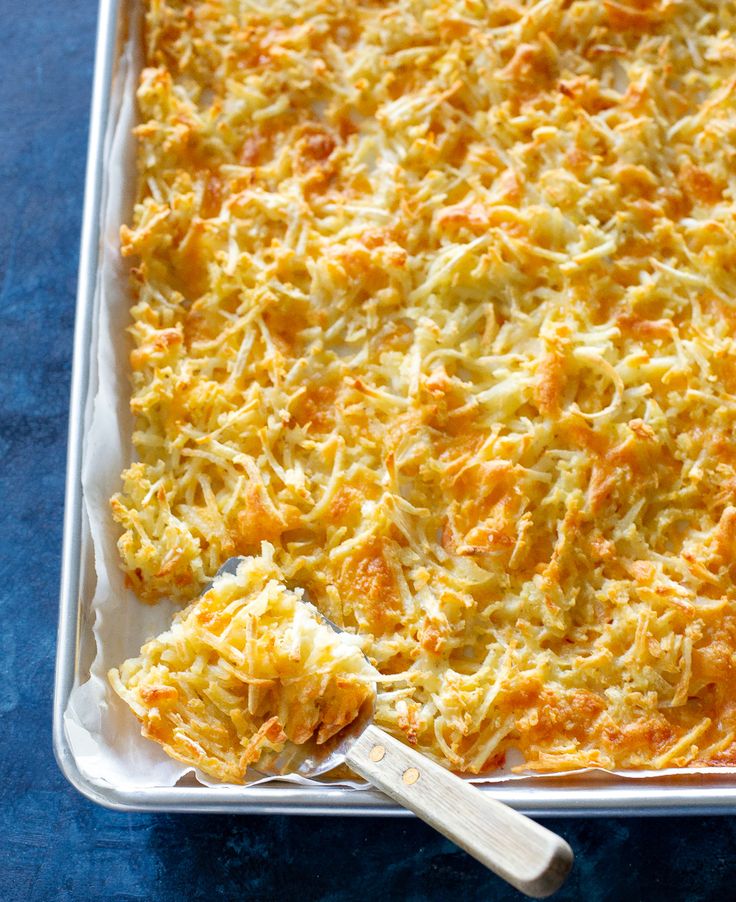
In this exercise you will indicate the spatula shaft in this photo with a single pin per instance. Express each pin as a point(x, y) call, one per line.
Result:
point(527, 855)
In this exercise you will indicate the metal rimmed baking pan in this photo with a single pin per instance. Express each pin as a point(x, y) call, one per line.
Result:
point(590, 794)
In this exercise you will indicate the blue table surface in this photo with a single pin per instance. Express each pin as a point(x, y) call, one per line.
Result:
point(54, 844)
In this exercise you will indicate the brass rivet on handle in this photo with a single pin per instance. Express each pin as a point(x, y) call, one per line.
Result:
point(410, 776)
point(377, 753)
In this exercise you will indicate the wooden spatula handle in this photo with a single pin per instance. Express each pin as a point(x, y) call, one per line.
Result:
point(527, 855)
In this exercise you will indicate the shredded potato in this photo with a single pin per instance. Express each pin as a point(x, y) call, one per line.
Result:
point(245, 668)
point(439, 298)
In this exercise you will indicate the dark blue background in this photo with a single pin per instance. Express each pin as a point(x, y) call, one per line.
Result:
point(53, 843)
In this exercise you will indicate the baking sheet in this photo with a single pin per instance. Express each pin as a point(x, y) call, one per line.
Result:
point(103, 737)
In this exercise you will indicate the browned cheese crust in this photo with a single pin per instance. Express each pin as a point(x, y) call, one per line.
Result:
point(439, 298)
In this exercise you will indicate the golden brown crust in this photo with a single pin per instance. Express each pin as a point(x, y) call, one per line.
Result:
point(439, 298)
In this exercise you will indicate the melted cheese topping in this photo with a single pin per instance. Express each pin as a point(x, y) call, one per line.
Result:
point(439, 297)
point(245, 668)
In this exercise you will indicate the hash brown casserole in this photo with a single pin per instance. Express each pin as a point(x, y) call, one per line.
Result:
point(439, 298)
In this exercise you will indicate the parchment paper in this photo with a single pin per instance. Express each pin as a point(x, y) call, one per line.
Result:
point(102, 733)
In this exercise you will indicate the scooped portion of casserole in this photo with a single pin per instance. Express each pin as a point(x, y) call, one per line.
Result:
point(245, 668)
